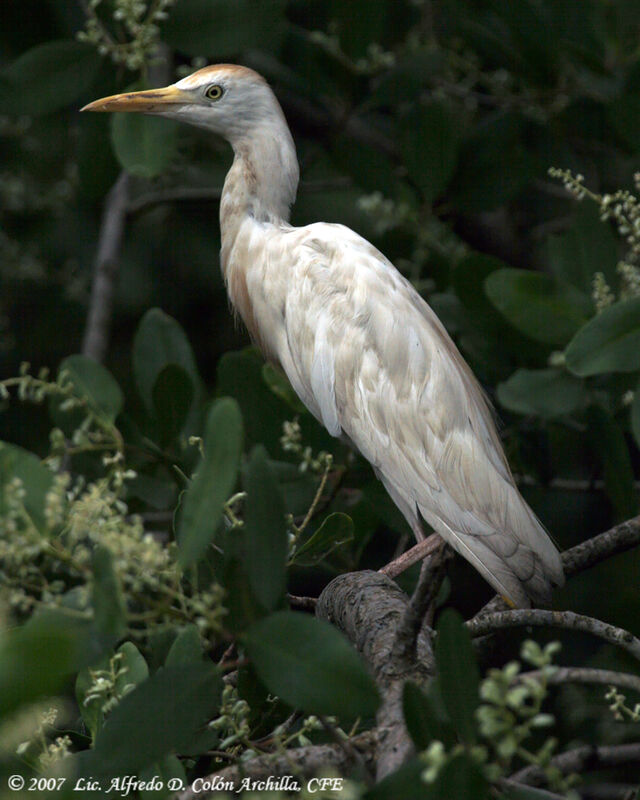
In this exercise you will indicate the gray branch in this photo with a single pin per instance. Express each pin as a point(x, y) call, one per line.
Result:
point(522, 617)
point(585, 555)
point(421, 605)
point(303, 762)
point(369, 609)
point(583, 759)
point(602, 677)
point(105, 270)
point(616, 540)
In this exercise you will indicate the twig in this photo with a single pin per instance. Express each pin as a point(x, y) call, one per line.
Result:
point(582, 759)
point(609, 791)
point(350, 751)
point(305, 603)
point(604, 677)
point(616, 540)
point(227, 655)
point(508, 783)
point(431, 577)
point(316, 499)
point(96, 334)
point(303, 761)
point(412, 556)
point(585, 555)
point(490, 623)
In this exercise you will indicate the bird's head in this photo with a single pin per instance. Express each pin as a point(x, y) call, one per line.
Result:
point(229, 100)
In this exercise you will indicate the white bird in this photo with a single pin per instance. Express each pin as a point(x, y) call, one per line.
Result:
point(362, 349)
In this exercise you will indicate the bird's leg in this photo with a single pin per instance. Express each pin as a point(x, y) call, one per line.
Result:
point(416, 553)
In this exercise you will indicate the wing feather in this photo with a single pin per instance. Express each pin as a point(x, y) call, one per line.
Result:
point(372, 361)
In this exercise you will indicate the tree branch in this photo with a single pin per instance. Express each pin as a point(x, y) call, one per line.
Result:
point(609, 791)
point(411, 556)
point(97, 329)
point(582, 759)
point(508, 783)
point(490, 623)
point(369, 607)
point(431, 577)
point(96, 334)
point(616, 540)
point(303, 762)
point(603, 677)
point(585, 555)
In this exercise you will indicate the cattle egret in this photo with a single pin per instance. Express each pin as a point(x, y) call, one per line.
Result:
point(362, 349)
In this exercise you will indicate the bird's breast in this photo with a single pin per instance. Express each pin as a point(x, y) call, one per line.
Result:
point(257, 292)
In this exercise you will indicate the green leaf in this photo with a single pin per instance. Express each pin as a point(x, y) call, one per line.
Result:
point(458, 673)
point(468, 278)
point(360, 22)
point(159, 342)
point(37, 480)
point(159, 774)
point(48, 77)
point(172, 398)
point(222, 29)
point(538, 305)
point(134, 667)
point(363, 164)
point(38, 658)
point(279, 384)
point(377, 499)
point(90, 710)
point(133, 670)
point(610, 342)
point(336, 530)
point(159, 493)
point(461, 777)
point(95, 384)
point(310, 665)
point(544, 392)
point(144, 145)
point(109, 607)
point(157, 718)
point(494, 164)
point(266, 530)
point(608, 442)
point(243, 607)
point(404, 784)
point(428, 145)
point(422, 718)
point(186, 648)
point(239, 375)
point(213, 482)
point(623, 114)
point(585, 248)
point(298, 488)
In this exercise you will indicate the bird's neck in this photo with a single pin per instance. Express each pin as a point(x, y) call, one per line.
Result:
point(261, 184)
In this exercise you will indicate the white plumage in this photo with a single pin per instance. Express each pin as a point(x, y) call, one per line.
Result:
point(361, 348)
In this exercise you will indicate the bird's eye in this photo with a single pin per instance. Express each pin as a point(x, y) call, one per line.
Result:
point(214, 92)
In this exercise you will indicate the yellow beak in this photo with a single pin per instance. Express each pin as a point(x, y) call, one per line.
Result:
point(147, 101)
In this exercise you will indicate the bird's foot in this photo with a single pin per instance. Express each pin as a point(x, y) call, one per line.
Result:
point(419, 551)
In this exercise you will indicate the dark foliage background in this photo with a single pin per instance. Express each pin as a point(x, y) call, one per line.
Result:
point(429, 128)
